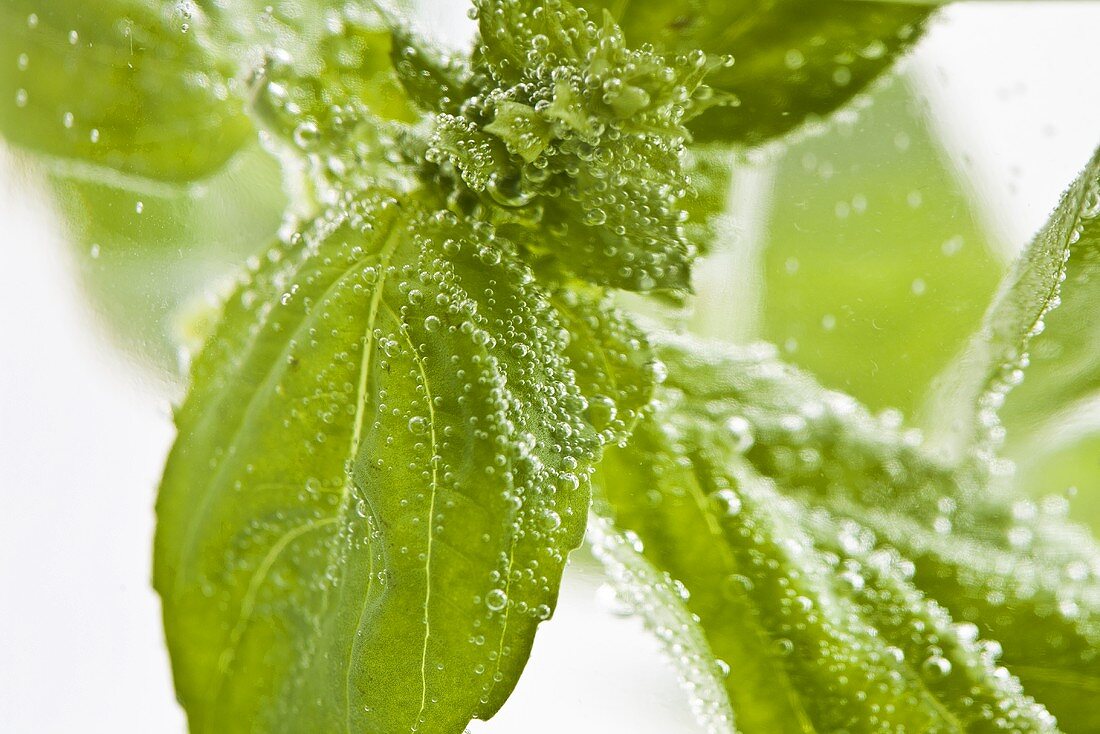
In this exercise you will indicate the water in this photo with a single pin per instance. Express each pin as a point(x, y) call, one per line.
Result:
point(923, 199)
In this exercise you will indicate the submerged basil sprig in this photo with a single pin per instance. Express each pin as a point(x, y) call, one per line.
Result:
point(393, 434)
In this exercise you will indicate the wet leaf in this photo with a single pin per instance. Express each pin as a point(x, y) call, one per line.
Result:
point(380, 469)
point(1019, 572)
point(1063, 373)
point(816, 640)
point(794, 60)
point(1032, 586)
point(616, 369)
point(658, 600)
point(125, 84)
point(965, 407)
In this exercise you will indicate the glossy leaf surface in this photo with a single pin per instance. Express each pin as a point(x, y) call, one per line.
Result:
point(660, 601)
point(1018, 573)
point(1063, 359)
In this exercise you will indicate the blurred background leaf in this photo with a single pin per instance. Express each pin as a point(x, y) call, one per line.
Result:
point(151, 259)
point(871, 266)
point(122, 84)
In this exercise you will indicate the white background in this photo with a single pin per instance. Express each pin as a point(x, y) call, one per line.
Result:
point(83, 431)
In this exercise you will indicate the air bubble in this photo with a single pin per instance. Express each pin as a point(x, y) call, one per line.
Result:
point(496, 600)
point(936, 666)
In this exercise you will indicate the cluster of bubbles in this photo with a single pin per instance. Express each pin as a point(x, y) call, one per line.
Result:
point(815, 441)
point(415, 351)
point(1052, 252)
point(838, 615)
point(585, 134)
point(614, 365)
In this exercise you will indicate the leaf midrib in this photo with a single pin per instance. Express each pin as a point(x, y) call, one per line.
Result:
point(276, 369)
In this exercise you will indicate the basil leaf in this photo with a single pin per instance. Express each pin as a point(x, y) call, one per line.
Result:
point(794, 60)
point(820, 443)
point(863, 260)
point(1051, 421)
point(1016, 573)
point(815, 641)
point(973, 389)
point(1038, 596)
point(615, 367)
point(1063, 360)
point(379, 472)
point(575, 135)
point(659, 601)
point(346, 81)
point(124, 84)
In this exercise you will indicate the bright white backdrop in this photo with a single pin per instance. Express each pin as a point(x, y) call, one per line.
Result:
point(83, 431)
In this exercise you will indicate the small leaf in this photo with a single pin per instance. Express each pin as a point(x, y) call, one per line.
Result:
point(794, 60)
point(522, 129)
point(380, 470)
point(972, 391)
point(1064, 360)
point(576, 141)
point(340, 107)
point(122, 84)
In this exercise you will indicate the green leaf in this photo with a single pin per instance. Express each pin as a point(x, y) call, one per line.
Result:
point(817, 442)
point(815, 640)
point(380, 470)
point(659, 601)
point(710, 177)
point(966, 405)
point(794, 60)
point(1019, 573)
point(874, 276)
point(1064, 361)
point(1037, 595)
point(346, 79)
point(124, 84)
point(615, 367)
point(577, 141)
